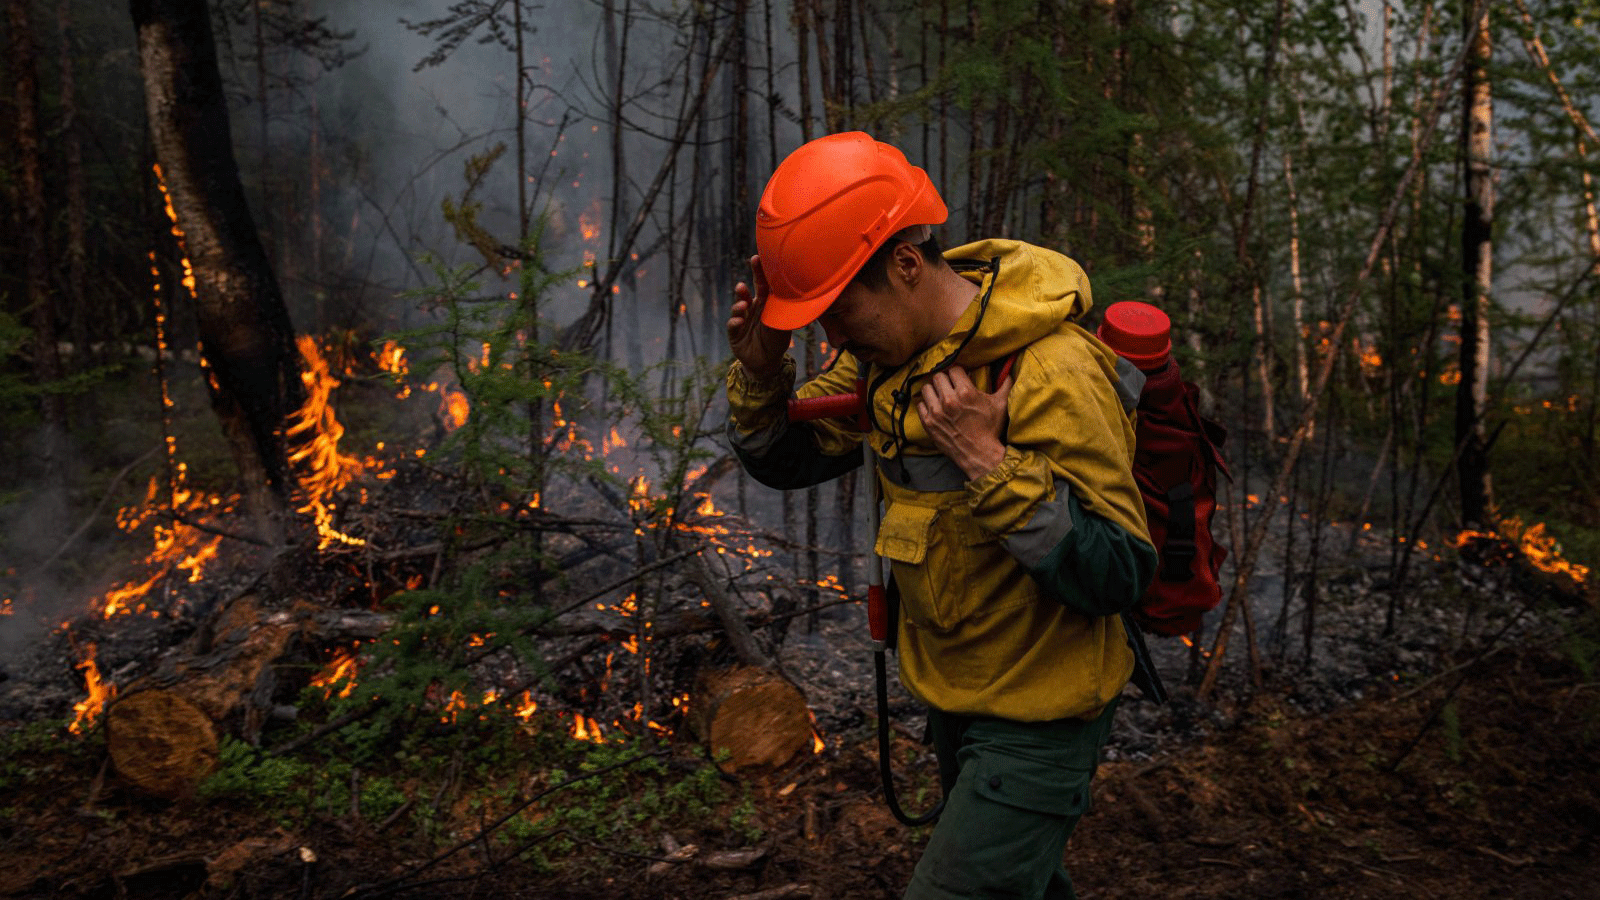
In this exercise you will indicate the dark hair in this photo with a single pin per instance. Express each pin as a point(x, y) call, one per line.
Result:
point(874, 273)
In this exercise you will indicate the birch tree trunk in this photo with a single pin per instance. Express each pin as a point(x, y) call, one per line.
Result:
point(1477, 270)
point(247, 341)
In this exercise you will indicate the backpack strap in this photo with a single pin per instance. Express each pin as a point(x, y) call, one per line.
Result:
point(1178, 552)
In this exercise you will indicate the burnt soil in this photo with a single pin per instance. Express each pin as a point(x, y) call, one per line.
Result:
point(1478, 781)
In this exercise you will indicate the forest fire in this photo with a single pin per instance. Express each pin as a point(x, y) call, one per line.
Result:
point(316, 430)
point(1536, 545)
point(187, 527)
point(179, 545)
point(101, 692)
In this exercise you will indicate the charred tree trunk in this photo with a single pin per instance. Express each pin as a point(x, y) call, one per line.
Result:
point(34, 228)
point(1477, 270)
point(247, 341)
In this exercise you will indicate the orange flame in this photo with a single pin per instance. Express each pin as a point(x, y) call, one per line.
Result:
point(316, 431)
point(456, 703)
point(178, 546)
point(587, 729)
point(344, 666)
point(1545, 553)
point(1538, 546)
point(100, 692)
point(527, 706)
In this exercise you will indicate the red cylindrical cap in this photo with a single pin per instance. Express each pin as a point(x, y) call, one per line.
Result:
point(1137, 332)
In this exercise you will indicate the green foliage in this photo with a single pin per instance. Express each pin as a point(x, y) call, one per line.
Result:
point(621, 810)
point(15, 392)
point(35, 754)
point(293, 784)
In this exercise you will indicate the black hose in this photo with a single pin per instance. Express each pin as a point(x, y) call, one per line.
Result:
point(881, 674)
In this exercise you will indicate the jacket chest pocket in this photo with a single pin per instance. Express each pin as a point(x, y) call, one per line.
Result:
point(932, 551)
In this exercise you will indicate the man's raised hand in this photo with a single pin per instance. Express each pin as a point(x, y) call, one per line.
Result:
point(758, 347)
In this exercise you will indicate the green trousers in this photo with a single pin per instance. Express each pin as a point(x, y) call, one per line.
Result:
point(1014, 791)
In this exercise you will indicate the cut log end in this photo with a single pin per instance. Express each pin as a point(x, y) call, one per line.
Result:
point(160, 742)
point(753, 719)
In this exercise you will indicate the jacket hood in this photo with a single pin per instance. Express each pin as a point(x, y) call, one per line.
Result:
point(1033, 291)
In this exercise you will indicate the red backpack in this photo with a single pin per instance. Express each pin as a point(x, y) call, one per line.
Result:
point(1177, 457)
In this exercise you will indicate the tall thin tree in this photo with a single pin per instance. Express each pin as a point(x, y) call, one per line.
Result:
point(1477, 272)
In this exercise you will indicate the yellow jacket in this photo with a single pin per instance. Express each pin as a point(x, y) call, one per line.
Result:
point(1009, 583)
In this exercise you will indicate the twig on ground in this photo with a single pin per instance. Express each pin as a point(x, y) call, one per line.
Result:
point(783, 892)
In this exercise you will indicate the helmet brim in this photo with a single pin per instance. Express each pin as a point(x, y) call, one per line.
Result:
point(787, 315)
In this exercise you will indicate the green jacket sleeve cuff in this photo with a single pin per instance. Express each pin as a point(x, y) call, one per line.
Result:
point(1099, 569)
point(1080, 559)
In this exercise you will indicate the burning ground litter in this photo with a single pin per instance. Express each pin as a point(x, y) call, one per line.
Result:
point(620, 668)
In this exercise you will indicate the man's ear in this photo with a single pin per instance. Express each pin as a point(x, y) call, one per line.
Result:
point(906, 263)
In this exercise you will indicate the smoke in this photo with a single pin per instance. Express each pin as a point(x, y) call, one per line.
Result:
point(35, 526)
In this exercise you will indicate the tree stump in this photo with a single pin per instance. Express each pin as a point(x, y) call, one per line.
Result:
point(160, 742)
point(751, 718)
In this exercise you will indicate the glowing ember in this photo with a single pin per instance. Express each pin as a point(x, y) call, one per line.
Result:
point(100, 692)
point(589, 222)
point(1369, 358)
point(454, 408)
point(1468, 536)
point(172, 215)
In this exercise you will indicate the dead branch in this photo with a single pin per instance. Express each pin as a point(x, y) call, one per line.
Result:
point(739, 636)
point(626, 579)
point(197, 525)
point(733, 860)
point(580, 335)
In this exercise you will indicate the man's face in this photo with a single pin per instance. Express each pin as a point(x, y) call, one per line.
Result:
point(871, 324)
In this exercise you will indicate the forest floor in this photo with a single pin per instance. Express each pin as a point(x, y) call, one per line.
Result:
point(1480, 779)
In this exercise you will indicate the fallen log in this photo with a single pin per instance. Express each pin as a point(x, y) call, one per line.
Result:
point(162, 730)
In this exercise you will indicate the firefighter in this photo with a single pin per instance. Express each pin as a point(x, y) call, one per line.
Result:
point(1013, 526)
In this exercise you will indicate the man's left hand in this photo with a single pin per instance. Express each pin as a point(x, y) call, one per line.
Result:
point(964, 422)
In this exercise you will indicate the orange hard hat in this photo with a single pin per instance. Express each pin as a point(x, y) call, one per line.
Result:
point(829, 205)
